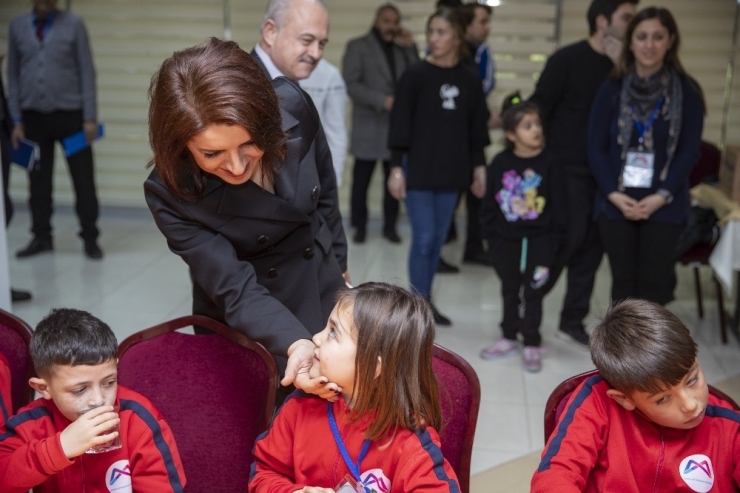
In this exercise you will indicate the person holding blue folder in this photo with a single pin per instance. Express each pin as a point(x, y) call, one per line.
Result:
point(51, 96)
point(6, 127)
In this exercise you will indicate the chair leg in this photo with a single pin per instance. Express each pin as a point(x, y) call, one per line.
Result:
point(722, 316)
point(697, 284)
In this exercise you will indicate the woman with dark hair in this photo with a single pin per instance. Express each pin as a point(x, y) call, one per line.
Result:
point(245, 193)
point(644, 138)
point(437, 129)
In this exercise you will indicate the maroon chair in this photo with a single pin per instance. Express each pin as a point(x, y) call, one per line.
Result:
point(559, 398)
point(698, 255)
point(15, 336)
point(459, 392)
point(216, 391)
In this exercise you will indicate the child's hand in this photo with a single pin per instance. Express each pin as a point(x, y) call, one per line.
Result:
point(86, 431)
point(316, 489)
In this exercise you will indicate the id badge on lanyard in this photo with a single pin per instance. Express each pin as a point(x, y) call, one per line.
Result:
point(639, 163)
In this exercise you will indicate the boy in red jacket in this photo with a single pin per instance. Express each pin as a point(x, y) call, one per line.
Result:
point(647, 422)
point(44, 446)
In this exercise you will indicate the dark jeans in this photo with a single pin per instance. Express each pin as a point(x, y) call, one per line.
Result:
point(430, 213)
point(582, 254)
point(517, 286)
point(641, 258)
point(361, 175)
point(45, 129)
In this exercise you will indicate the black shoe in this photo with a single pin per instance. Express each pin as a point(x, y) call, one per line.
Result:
point(18, 295)
point(92, 250)
point(477, 257)
point(359, 236)
point(440, 319)
point(445, 268)
point(391, 235)
point(577, 336)
point(37, 245)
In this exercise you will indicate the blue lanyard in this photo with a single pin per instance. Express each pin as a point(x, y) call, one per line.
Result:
point(354, 468)
point(643, 128)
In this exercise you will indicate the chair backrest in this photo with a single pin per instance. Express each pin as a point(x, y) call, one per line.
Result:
point(15, 336)
point(216, 392)
point(559, 398)
point(710, 158)
point(459, 392)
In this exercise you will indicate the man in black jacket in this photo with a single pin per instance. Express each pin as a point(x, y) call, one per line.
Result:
point(564, 93)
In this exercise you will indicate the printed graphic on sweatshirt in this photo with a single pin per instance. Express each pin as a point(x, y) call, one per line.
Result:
point(448, 93)
point(375, 481)
point(118, 477)
point(518, 198)
point(540, 276)
point(697, 472)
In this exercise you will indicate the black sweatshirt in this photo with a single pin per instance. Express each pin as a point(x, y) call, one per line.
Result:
point(564, 93)
point(439, 121)
point(525, 197)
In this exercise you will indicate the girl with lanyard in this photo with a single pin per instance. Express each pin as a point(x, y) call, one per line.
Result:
point(644, 139)
point(379, 434)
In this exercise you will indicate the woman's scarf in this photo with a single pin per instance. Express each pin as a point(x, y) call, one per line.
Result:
point(637, 101)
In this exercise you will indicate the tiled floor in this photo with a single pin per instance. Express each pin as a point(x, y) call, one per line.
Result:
point(140, 283)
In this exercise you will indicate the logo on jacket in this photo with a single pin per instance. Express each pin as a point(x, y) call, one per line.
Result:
point(118, 477)
point(518, 197)
point(448, 93)
point(375, 481)
point(697, 472)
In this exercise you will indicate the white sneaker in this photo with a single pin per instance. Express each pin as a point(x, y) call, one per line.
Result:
point(532, 358)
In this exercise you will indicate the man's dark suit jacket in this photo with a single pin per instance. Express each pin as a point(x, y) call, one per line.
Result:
point(266, 265)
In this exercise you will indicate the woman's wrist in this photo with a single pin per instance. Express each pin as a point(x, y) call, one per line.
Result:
point(396, 173)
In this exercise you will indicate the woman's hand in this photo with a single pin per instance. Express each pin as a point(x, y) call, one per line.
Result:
point(627, 205)
point(397, 184)
point(347, 278)
point(650, 204)
point(300, 361)
point(478, 187)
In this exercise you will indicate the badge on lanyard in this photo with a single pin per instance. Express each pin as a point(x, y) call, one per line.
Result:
point(640, 163)
point(349, 484)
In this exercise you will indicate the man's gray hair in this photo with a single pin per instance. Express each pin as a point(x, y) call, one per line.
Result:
point(276, 10)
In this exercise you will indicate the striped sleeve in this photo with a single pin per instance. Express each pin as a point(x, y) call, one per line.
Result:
point(6, 403)
point(572, 451)
point(154, 458)
point(423, 468)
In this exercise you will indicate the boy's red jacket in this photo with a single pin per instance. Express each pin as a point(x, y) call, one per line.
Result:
point(600, 446)
point(6, 401)
point(299, 450)
point(31, 454)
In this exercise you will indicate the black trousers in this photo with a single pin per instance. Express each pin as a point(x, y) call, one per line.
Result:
point(5, 158)
point(517, 286)
point(361, 175)
point(582, 254)
point(641, 258)
point(45, 129)
point(473, 240)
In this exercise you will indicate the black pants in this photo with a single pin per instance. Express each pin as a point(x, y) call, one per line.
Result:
point(518, 286)
point(361, 175)
point(473, 240)
point(45, 129)
point(641, 258)
point(582, 254)
point(5, 158)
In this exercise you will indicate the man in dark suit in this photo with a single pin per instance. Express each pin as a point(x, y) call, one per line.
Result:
point(371, 66)
point(6, 128)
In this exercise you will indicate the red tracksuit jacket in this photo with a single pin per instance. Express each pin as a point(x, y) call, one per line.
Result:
point(299, 450)
point(6, 401)
point(31, 454)
point(598, 446)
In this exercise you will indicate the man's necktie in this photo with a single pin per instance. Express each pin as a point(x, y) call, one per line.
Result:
point(40, 29)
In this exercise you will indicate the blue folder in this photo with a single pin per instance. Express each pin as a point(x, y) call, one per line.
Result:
point(77, 142)
point(26, 156)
